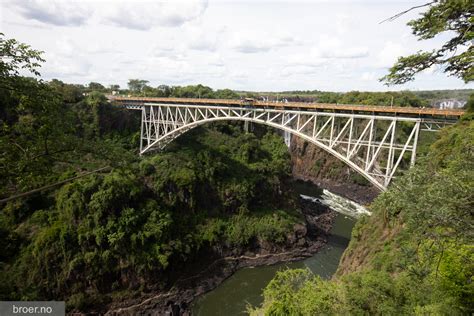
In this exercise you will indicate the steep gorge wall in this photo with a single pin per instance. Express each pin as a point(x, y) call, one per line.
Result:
point(311, 163)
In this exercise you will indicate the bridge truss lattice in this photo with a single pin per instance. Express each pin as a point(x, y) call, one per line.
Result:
point(375, 146)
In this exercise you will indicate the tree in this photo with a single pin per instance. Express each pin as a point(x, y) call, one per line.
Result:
point(32, 119)
point(95, 86)
point(15, 56)
point(137, 85)
point(454, 17)
point(70, 93)
point(226, 94)
point(164, 90)
point(470, 104)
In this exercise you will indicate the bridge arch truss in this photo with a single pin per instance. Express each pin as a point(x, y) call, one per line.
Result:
point(375, 146)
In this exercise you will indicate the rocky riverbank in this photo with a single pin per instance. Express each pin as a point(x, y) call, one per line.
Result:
point(361, 194)
point(311, 163)
point(305, 240)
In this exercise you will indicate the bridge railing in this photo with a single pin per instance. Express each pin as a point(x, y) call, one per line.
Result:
point(410, 111)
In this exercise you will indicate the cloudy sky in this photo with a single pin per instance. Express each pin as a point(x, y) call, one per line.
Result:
point(251, 45)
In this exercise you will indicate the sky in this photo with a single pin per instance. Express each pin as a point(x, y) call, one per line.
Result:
point(258, 45)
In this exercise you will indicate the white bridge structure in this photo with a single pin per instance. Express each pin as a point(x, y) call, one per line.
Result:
point(377, 145)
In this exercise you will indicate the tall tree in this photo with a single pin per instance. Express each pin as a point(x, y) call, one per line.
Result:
point(164, 90)
point(137, 85)
point(456, 56)
point(32, 120)
point(96, 86)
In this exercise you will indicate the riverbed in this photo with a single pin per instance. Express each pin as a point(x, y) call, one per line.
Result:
point(245, 287)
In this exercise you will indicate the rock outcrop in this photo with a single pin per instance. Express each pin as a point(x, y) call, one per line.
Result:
point(311, 163)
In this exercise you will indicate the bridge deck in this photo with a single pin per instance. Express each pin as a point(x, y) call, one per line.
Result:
point(408, 111)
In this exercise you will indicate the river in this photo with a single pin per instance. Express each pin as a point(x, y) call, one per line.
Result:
point(246, 285)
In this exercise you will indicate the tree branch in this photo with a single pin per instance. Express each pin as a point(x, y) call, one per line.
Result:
point(50, 185)
point(396, 16)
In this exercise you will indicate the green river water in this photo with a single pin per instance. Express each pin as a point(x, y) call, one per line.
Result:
point(246, 285)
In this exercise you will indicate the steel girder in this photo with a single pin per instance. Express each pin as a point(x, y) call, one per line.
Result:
point(375, 146)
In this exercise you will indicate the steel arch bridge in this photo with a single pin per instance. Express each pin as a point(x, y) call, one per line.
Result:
point(374, 144)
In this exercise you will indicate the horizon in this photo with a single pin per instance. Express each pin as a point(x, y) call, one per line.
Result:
point(276, 91)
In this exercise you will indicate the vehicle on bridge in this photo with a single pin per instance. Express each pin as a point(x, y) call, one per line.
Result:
point(248, 102)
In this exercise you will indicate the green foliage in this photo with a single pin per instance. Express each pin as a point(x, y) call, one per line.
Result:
point(318, 164)
point(335, 169)
point(454, 17)
point(298, 292)
point(70, 93)
point(359, 179)
point(469, 115)
point(16, 56)
point(137, 85)
point(121, 231)
point(470, 104)
point(413, 256)
point(95, 86)
point(137, 222)
point(115, 234)
point(395, 98)
point(140, 88)
point(197, 91)
point(226, 94)
point(241, 229)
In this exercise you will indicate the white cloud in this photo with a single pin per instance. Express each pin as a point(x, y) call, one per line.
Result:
point(202, 39)
point(166, 48)
point(343, 23)
point(60, 67)
point(138, 15)
point(432, 70)
point(368, 76)
point(56, 12)
point(389, 54)
point(269, 45)
point(334, 47)
point(203, 44)
point(250, 46)
point(301, 70)
point(249, 42)
point(307, 60)
point(144, 15)
point(349, 52)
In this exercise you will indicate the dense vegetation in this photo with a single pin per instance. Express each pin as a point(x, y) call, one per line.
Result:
point(127, 228)
point(113, 231)
point(404, 98)
point(413, 256)
point(138, 87)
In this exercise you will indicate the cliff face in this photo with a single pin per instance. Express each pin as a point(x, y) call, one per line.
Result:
point(311, 163)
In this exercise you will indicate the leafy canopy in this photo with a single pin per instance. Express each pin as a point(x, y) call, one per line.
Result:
point(456, 56)
point(15, 56)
